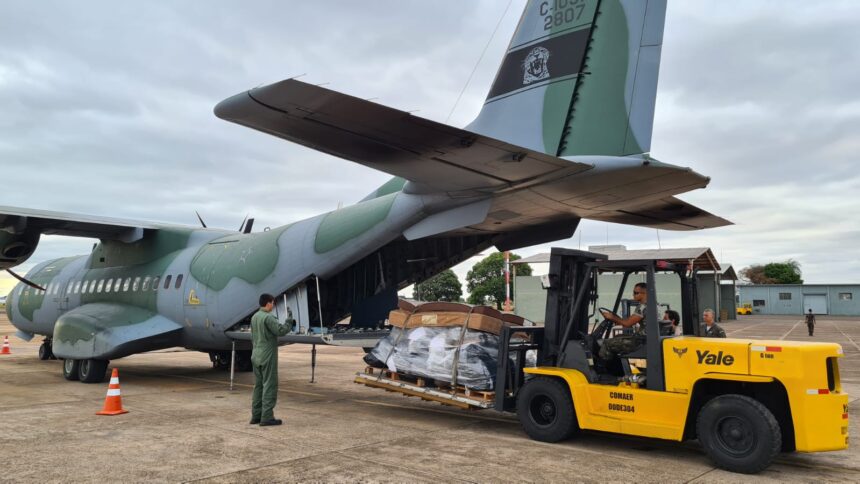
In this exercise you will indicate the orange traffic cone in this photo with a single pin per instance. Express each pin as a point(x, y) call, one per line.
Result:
point(113, 400)
point(6, 349)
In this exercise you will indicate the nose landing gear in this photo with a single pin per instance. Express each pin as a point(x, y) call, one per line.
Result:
point(46, 351)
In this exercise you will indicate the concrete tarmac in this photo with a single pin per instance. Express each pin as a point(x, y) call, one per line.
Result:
point(184, 424)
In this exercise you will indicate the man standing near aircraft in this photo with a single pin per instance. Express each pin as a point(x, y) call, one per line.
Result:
point(810, 322)
point(265, 331)
point(711, 329)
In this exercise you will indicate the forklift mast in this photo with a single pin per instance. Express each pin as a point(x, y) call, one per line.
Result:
point(572, 285)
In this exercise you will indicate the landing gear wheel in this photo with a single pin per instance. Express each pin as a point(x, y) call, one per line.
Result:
point(739, 433)
point(92, 371)
point(45, 352)
point(220, 360)
point(545, 410)
point(71, 369)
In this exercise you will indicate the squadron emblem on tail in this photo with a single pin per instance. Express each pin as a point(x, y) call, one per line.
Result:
point(536, 66)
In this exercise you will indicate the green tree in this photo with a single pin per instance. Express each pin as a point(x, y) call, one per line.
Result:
point(444, 286)
point(787, 272)
point(486, 281)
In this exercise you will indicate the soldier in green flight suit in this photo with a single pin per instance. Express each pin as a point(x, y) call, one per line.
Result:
point(265, 331)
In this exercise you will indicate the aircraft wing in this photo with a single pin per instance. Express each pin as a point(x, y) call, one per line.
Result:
point(393, 141)
point(16, 220)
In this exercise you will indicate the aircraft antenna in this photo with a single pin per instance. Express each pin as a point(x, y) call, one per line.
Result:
point(659, 244)
point(469, 80)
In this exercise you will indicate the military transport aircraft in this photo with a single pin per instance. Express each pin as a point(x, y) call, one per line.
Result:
point(564, 134)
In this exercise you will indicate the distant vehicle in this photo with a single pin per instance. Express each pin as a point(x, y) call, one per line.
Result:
point(745, 309)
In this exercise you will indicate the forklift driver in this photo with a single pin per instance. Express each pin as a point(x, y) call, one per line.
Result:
point(627, 343)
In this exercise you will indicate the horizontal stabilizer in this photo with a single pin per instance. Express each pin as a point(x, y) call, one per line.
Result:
point(425, 152)
point(107, 331)
point(667, 213)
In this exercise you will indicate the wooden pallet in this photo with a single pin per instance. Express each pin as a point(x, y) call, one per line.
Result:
point(458, 396)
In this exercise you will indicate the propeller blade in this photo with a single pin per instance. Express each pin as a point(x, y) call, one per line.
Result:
point(24, 280)
point(242, 227)
point(200, 219)
point(248, 226)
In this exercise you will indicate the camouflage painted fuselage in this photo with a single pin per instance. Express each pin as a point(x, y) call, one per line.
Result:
point(178, 287)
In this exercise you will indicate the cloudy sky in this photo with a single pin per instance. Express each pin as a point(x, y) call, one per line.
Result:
point(106, 109)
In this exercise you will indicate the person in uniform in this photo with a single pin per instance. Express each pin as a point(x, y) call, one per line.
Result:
point(710, 329)
point(265, 331)
point(810, 321)
point(673, 317)
point(630, 342)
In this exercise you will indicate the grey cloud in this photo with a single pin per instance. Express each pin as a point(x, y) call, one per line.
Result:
point(107, 109)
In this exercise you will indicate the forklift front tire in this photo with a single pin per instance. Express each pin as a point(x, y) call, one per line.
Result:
point(739, 433)
point(545, 409)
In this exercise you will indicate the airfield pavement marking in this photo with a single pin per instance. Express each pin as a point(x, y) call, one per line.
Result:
point(846, 336)
point(790, 330)
point(745, 328)
point(220, 382)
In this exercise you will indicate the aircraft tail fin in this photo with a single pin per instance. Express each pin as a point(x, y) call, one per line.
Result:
point(579, 78)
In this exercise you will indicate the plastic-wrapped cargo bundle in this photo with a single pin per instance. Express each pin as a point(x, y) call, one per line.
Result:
point(452, 343)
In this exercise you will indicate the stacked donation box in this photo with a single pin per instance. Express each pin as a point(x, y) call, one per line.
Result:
point(443, 346)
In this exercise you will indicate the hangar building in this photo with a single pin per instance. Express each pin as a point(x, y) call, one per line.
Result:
point(832, 299)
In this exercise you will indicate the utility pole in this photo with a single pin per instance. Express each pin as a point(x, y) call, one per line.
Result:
point(508, 306)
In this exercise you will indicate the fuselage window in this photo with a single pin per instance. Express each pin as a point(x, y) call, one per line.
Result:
point(146, 281)
point(167, 281)
point(27, 291)
point(136, 284)
point(178, 281)
point(117, 285)
point(100, 285)
point(77, 287)
point(47, 288)
point(108, 285)
point(91, 285)
point(126, 284)
point(56, 288)
point(155, 283)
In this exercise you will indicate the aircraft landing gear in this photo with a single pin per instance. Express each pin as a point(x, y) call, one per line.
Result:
point(86, 371)
point(71, 369)
point(46, 351)
point(92, 371)
point(221, 360)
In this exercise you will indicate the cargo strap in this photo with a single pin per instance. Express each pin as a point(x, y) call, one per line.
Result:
point(456, 362)
point(397, 341)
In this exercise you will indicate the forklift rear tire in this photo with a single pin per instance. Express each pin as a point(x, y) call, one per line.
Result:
point(70, 369)
point(545, 410)
point(739, 433)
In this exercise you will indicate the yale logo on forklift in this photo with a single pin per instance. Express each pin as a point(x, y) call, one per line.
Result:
point(708, 358)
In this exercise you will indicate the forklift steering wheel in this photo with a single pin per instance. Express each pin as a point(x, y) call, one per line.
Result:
point(607, 310)
point(602, 330)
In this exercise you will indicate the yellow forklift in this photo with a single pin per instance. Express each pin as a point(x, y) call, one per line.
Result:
point(744, 400)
